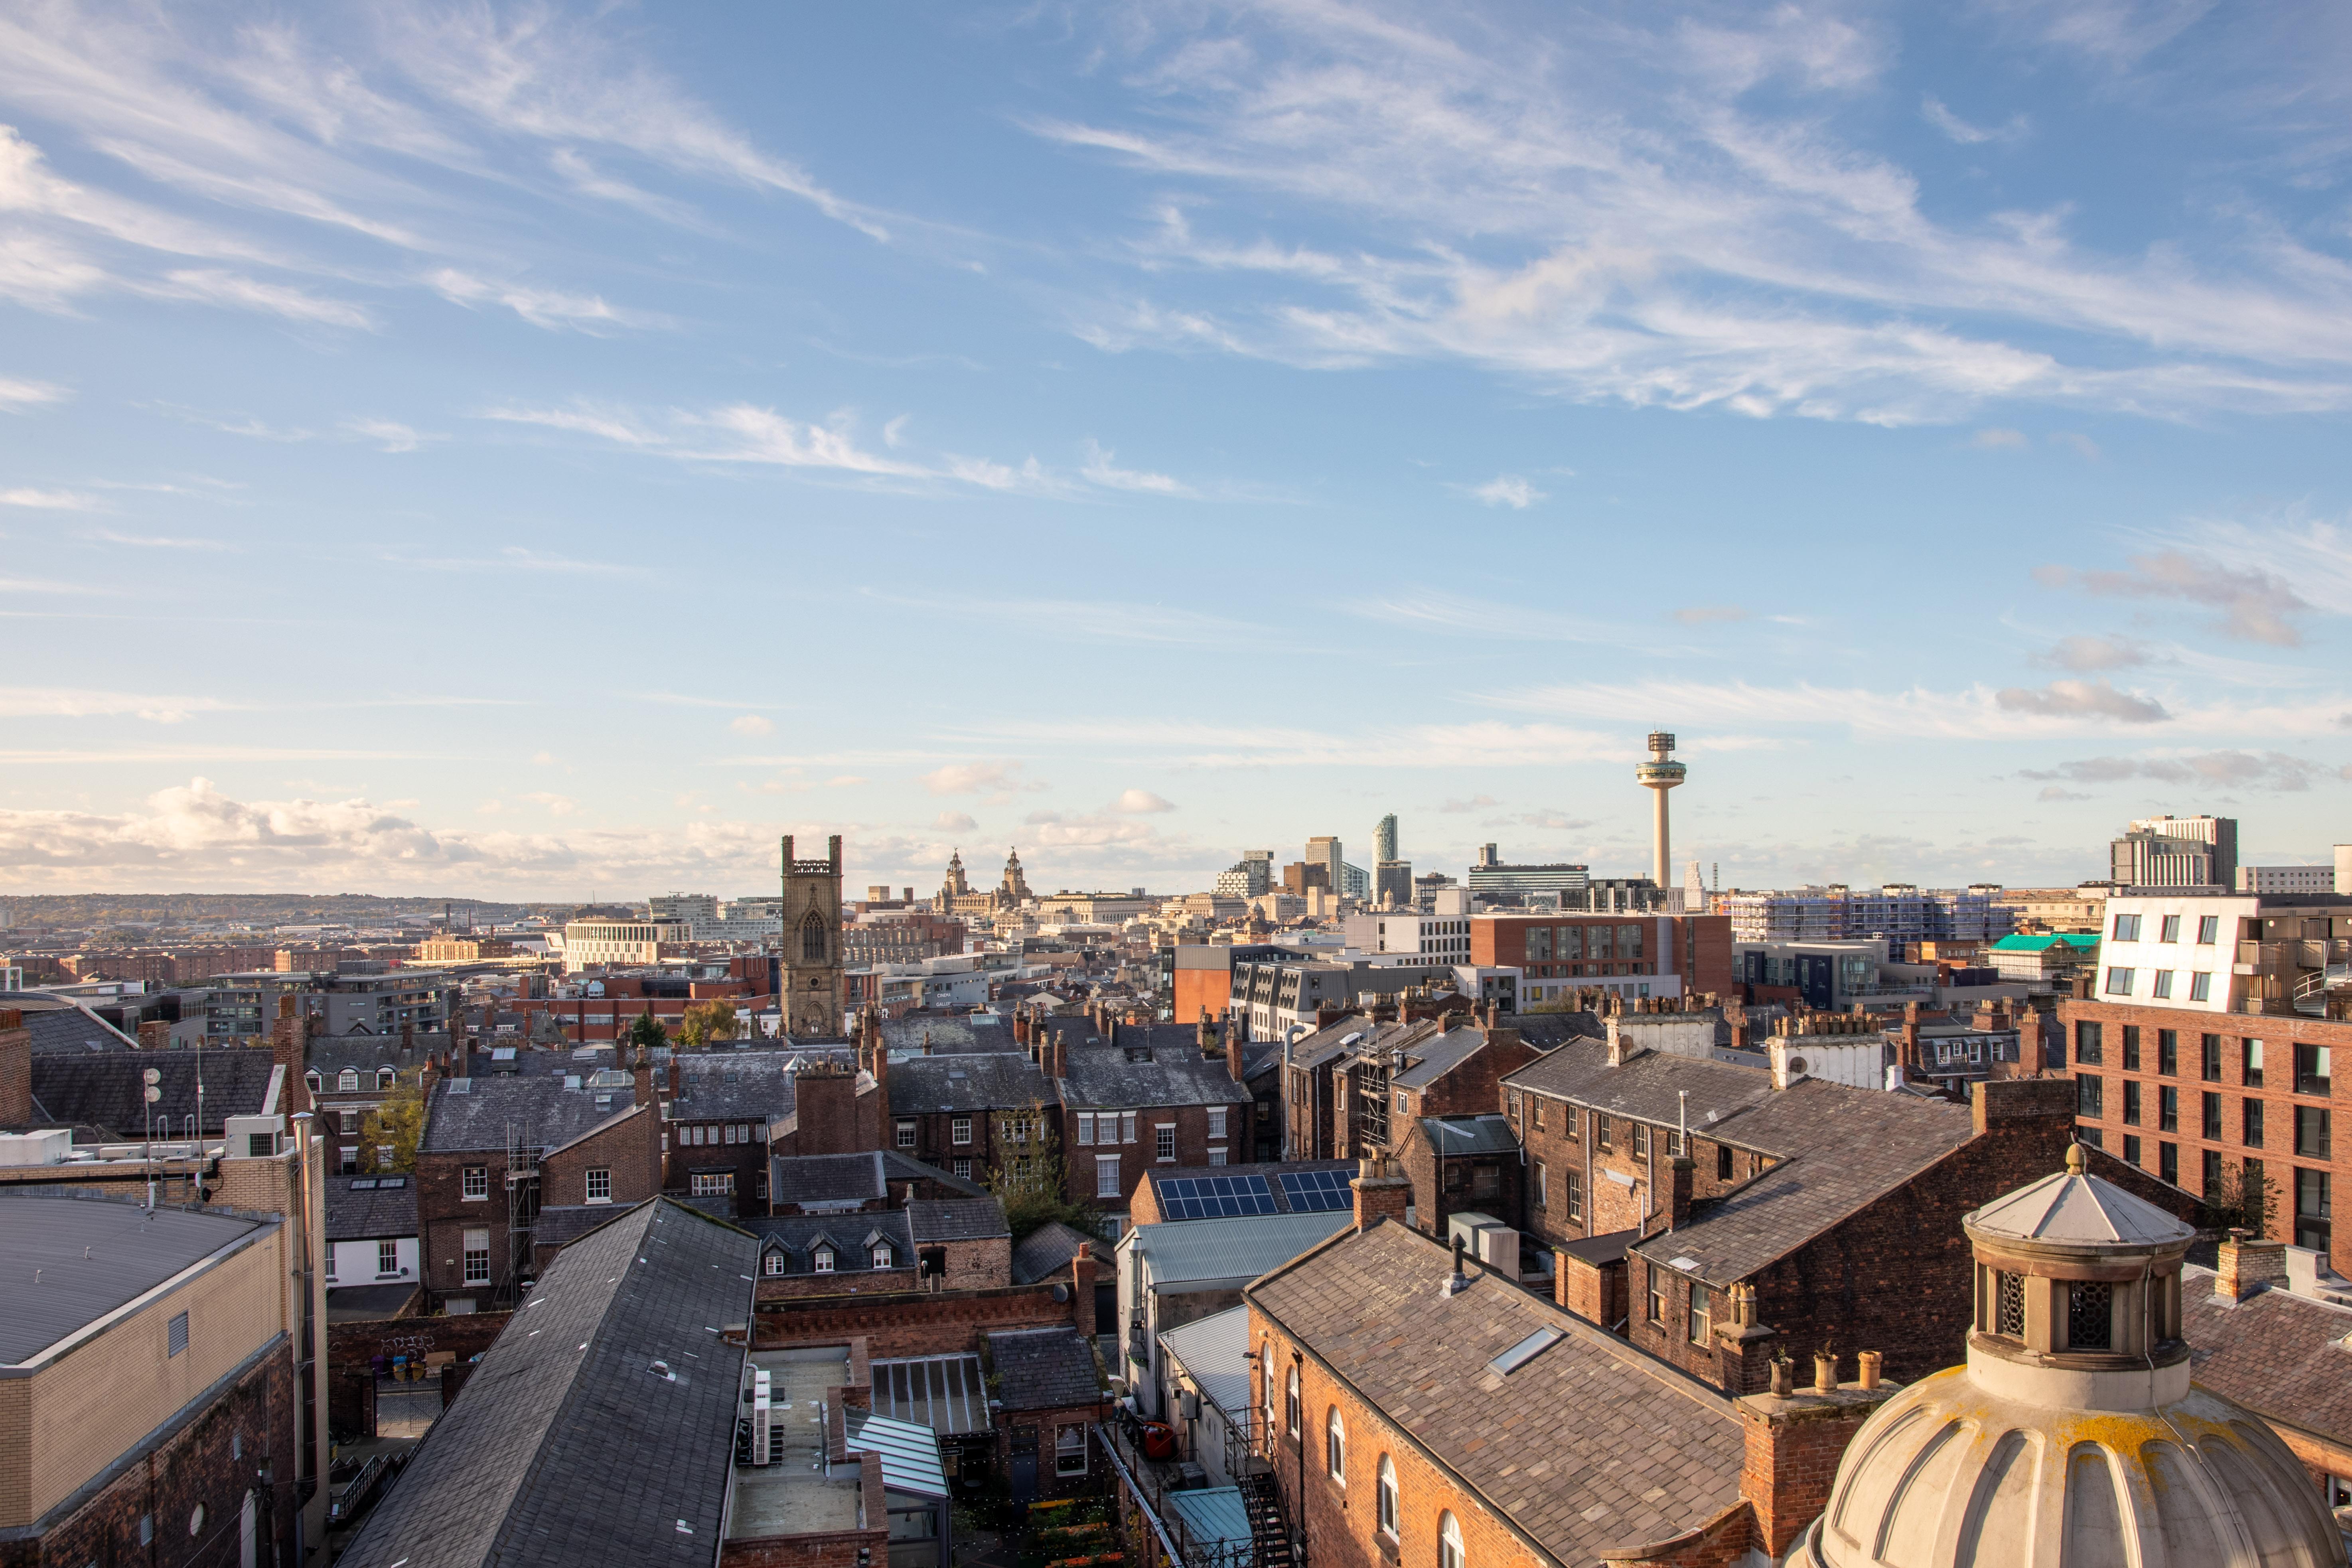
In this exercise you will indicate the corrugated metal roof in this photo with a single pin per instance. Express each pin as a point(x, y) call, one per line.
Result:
point(910, 1455)
point(1215, 1351)
point(90, 1255)
point(1241, 1248)
point(1212, 1518)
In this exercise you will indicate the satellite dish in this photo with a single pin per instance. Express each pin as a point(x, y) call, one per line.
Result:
point(153, 1075)
point(154, 1094)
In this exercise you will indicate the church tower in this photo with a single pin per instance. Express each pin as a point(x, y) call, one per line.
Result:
point(811, 997)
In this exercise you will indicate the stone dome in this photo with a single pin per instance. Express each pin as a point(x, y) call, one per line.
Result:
point(2073, 1437)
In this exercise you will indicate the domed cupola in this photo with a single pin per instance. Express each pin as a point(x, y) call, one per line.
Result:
point(2073, 1438)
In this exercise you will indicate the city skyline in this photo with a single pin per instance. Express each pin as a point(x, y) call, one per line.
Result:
point(507, 452)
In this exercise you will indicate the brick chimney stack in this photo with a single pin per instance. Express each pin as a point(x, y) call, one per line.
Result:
point(154, 1035)
point(1056, 1063)
point(1910, 1054)
point(1234, 1066)
point(1082, 1291)
point(1793, 1444)
point(1381, 1193)
point(643, 1072)
point(2247, 1265)
point(1204, 1033)
point(1678, 1193)
point(290, 1046)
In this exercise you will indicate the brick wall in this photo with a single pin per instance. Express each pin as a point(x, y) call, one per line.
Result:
point(211, 1461)
point(16, 1070)
point(352, 1346)
point(836, 1549)
point(981, 1265)
point(1569, 1140)
point(1793, 1446)
point(863, 1282)
point(919, 1323)
point(630, 1149)
point(2276, 1094)
point(1192, 1146)
point(1486, 1184)
point(1048, 1424)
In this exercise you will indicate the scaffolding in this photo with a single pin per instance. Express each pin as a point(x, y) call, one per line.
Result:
point(523, 1211)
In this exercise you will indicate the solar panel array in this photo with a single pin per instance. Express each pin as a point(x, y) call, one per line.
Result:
point(1312, 1192)
point(1213, 1197)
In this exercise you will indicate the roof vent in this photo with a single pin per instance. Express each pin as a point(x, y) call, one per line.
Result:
point(461, 1085)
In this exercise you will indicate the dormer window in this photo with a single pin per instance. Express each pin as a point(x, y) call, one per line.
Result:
point(773, 1263)
point(384, 1077)
point(349, 1079)
point(883, 1256)
point(822, 1261)
point(314, 1080)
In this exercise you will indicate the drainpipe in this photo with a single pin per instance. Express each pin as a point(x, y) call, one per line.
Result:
point(1297, 1371)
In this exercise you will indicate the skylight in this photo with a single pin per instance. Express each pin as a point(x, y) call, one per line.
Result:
point(1526, 1350)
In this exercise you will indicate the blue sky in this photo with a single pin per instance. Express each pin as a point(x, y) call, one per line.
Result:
point(527, 451)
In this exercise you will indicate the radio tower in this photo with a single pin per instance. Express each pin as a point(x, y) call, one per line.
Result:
point(1658, 775)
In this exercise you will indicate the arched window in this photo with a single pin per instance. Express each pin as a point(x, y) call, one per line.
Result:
point(1268, 1360)
point(812, 938)
point(1335, 1446)
point(314, 1080)
point(1449, 1541)
point(1290, 1406)
point(348, 1079)
point(1388, 1502)
point(384, 1077)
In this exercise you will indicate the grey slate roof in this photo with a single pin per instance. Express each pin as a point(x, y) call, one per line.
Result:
point(132, 1251)
point(522, 1471)
point(1102, 1076)
point(1453, 1136)
point(561, 1225)
point(1046, 1251)
point(1589, 1447)
point(741, 1085)
point(2281, 1354)
point(1045, 1369)
point(542, 1112)
point(826, 1178)
point(106, 1090)
point(362, 1209)
point(898, 1167)
point(1002, 1080)
point(957, 1219)
point(328, 1055)
point(1434, 1057)
point(852, 1238)
point(948, 1034)
point(1645, 1088)
point(56, 1025)
point(1548, 1031)
point(1839, 1149)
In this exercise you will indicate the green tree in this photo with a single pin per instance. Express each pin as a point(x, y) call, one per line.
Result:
point(389, 1134)
point(1029, 1178)
point(706, 1022)
point(645, 1031)
point(2245, 1198)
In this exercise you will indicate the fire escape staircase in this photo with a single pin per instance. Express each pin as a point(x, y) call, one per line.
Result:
point(1261, 1499)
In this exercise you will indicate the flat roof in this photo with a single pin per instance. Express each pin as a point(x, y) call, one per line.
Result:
point(67, 1260)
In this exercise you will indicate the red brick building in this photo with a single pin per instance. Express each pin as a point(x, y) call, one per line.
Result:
point(1633, 956)
point(1792, 1214)
point(2226, 1105)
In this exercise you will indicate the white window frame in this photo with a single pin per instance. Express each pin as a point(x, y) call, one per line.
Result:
point(1216, 1156)
point(821, 1260)
point(1086, 1128)
point(477, 1259)
point(347, 1081)
point(1163, 1142)
point(772, 1264)
point(1449, 1541)
point(599, 1176)
point(474, 1184)
point(1126, 1126)
point(883, 1256)
point(959, 1132)
point(1335, 1447)
point(1107, 1177)
point(1216, 1122)
point(906, 1132)
point(1066, 1450)
point(387, 1258)
point(1385, 1511)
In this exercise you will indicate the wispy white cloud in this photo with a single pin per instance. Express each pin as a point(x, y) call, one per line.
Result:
point(2017, 128)
point(2256, 601)
point(218, 287)
point(72, 703)
point(154, 540)
point(518, 558)
point(48, 500)
point(17, 395)
point(390, 435)
point(1508, 489)
point(548, 308)
point(1102, 470)
point(1598, 206)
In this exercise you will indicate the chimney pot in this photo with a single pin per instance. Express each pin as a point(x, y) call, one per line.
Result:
point(1825, 1378)
point(1866, 1368)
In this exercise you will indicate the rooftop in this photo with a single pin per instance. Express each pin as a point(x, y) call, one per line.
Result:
point(1105, 1076)
point(621, 1335)
point(1045, 1369)
point(1586, 1445)
point(469, 1115)
point(1205, 1253)
point(957, 1219)
point(107, 1089)
point(1047, 1251)
point(68, 1260)
point(369, 1208)
point(2281, 1354)
point(1215, 1351)
point(1000, 1080)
